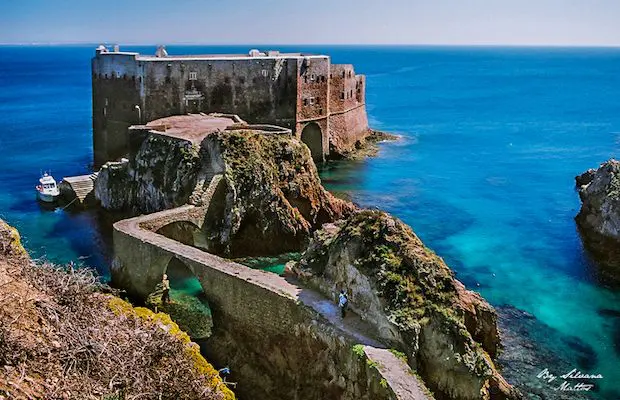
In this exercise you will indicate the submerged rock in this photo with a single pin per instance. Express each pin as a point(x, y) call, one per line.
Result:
point(413, 300)
point(599, 217)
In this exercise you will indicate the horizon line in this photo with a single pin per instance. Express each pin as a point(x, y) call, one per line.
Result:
point(543, 45)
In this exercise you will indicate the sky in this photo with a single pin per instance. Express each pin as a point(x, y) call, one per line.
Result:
point(450, 22)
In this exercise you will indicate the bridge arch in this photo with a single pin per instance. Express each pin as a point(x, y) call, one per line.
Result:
point(181, 231)
point(312, 137)
point(189, 306)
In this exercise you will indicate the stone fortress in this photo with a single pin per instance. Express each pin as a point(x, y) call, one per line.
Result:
point(321, 102)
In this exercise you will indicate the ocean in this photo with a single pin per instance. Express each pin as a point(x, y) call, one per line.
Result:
point(491, 139)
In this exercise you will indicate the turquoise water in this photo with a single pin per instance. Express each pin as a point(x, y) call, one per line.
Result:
point(491, 141)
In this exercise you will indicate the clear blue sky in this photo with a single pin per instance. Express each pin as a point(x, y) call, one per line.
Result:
point(529, 22)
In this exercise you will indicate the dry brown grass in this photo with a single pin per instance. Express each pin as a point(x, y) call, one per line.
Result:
point(60, 338)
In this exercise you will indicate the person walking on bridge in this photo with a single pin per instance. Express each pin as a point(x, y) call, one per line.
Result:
point(165, 283)
point(342, 303)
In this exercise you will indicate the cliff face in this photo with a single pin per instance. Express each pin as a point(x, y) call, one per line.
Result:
point(599, 217)
point(269, 200)
point(160, 174)
point(61, 337)
point(411, 297)
point(273, 196)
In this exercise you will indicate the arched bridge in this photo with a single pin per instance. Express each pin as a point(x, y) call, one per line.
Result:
point(282, 340)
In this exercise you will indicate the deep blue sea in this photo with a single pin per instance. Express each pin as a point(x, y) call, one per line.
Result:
point(491, 141)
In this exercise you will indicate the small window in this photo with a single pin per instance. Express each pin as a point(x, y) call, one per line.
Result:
point(193, 76)
point(320, 111)
point(342, 96)
point(351, 95)
point(350, 74)
point(317, 100)
point(118, 74)
point(343, 74)
point(305, 102)
point(264, 73)
point(311, 100)
point(312, 77)
point(305, 79)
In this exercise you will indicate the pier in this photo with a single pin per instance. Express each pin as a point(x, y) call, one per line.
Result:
point(79, 190)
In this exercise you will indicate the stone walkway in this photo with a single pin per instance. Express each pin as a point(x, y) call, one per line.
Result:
point(398, 374)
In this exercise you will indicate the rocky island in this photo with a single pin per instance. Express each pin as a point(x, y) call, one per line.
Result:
point(599, 217)
point(198, 186)
point(231, 189)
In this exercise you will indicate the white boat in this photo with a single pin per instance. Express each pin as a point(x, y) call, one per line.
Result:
point(47, 189)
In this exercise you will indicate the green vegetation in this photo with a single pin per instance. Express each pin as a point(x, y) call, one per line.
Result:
point(400, 355)
point(358, 349)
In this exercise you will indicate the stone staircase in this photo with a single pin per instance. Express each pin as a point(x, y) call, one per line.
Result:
point(205, 176)
point(79, 189)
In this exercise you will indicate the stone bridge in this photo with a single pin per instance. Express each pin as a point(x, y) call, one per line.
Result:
point(282, 341)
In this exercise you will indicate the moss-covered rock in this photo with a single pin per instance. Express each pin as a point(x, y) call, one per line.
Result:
point(273, 196)
point(413, 300)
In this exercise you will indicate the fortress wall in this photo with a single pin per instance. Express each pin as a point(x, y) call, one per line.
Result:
point(347, 128)
point(348, 122)
point(276, 346)
point(116, 86)
point(313, 93)
point(343, 88)
point(361, 88)
point(260, 91)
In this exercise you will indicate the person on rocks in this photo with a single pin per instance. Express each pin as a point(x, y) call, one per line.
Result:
point(165, 296)
point(343, 301)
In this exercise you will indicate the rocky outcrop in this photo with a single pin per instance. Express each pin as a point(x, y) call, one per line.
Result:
point(161, 173)
point(269, 201)
point(412, 299)
point(366, 146)
point(61, 336)
point(273, 198)
point(599, 217)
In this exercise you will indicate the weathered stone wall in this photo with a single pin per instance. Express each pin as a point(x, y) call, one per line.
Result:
point(348, 122)
point(116, 86)
point(344, 85)
point(313, 93)
point(262, 90)
point(277, 346)
point(346, 129)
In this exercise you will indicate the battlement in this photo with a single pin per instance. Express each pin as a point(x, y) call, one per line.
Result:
point(322, 103)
